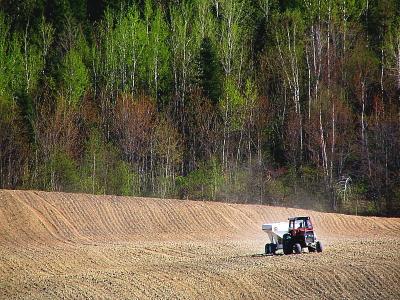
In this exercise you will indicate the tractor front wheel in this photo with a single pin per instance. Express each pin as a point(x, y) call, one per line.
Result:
point(297, 248)
point(311, 249)
point(287, 251)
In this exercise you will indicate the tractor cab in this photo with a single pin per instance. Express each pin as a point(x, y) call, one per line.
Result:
point(300, 226)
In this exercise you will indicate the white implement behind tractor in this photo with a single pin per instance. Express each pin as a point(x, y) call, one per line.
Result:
point(275, 233)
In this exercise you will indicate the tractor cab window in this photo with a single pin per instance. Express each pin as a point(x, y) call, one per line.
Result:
point(307, 224)
point(299, 224)
point(295, 224)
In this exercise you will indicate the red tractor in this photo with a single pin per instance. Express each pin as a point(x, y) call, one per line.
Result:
point(300, 235)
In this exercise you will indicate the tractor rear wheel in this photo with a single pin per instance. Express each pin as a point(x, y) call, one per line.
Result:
point(319, 247)
point(273, 248)
point(297, 248)
point(267, 248)
point(270, 248)
point(287, 245)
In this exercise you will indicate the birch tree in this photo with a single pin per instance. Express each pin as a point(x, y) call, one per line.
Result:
point(392, 58)
point(233, 35)
point(75, 77)
point(185, 44)
point(4, 33)
point(289, 43)
point(131, 41)
point(157, 52)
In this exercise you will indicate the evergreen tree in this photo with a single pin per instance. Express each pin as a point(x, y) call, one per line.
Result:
point(210, 73)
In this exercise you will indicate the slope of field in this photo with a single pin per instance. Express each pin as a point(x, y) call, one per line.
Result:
point(58, 245)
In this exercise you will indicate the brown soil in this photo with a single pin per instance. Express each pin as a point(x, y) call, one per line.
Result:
point(58, 245)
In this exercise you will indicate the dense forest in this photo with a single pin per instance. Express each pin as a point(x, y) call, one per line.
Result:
point(258, 101)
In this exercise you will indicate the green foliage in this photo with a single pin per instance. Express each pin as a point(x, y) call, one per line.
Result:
point(3, 55)
point(355, 201)
point(75, 77)
point(278, 190)
point(125, 51)
point(79, 9)
point(14, 68)
point(233, 35)
point(380, 16)
point(395, 201)
point(11, 62)
point(158, 52)
point(13, 142)
point(60, 173)
point(391, 46)
point(210, 71)
point(104, 172)
point(250, 94)
point(289, 35)
point(237, 105)
point(205, 23)
point(185, 41)
point(233, 104)
point(123, 180)
point(203, 183)
point(34, 67)
point(20, 11)
point(167, 142)
point(136, 53)
point(311, 178)
point(95, 165)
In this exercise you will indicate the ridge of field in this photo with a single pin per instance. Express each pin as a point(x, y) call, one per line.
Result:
point(60, 245)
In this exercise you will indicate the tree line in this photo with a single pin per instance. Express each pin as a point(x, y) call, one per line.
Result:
point(274, 102)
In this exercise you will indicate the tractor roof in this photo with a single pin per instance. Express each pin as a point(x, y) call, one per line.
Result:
point(299, 218)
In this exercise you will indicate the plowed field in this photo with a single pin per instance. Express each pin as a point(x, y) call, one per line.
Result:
point(58, 245)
